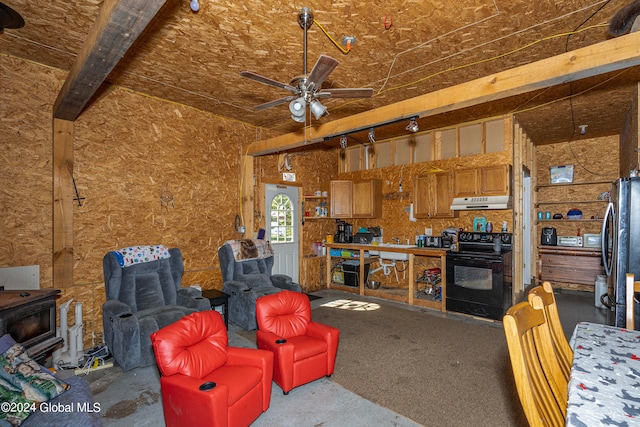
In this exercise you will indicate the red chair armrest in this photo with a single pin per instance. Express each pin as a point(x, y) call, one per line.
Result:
point(184, 392)
point(331, 336)
point(262, 359)
point(250, 357)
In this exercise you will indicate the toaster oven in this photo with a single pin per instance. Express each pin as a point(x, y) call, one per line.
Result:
point(570, 241)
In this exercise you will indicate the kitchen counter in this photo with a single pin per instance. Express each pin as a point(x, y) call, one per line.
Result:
point(413, 251)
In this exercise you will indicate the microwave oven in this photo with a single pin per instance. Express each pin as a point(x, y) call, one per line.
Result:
point(591, 240)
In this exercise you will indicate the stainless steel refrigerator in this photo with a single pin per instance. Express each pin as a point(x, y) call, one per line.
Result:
point(621, 244)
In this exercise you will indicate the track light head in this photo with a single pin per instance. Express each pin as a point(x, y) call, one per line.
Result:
point(372, 135)
point(413, 125)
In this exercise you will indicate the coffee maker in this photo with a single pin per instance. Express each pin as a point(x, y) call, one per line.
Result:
point(344, 232)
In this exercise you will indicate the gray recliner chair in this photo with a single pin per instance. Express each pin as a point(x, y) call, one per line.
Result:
point(246, 271)
point(143, 295)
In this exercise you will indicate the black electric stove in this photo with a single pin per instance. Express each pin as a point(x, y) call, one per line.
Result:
point(479, 274)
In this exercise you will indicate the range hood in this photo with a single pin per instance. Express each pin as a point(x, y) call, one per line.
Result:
point(479, 203)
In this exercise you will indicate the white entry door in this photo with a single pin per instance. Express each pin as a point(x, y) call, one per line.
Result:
point(281, 204)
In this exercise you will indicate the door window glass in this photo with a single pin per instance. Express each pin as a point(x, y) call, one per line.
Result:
point(281, 219)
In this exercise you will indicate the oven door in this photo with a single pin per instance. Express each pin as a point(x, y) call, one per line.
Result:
point(476, 278)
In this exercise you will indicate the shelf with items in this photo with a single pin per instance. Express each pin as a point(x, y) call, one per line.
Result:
point(316, 207)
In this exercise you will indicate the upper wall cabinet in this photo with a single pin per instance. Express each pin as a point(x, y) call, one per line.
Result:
point(433, 195)
point(356, 199)
point(484, 181)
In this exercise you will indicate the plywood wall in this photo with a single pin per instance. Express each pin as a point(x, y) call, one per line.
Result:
point(148, 172)
point(629, 144)
point(594, 160)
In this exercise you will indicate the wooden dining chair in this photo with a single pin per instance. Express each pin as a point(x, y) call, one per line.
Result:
point(632, 288)
point(541, 385)
point(542, 296)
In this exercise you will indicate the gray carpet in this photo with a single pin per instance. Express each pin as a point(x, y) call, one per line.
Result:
point(438, 371)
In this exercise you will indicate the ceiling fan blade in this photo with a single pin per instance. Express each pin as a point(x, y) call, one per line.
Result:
point(265, 80)
point(9, 18)
point(319, 73)
point(360, 92)
point(274, 103)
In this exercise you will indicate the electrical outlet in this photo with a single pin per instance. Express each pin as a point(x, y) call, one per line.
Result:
point(428, 231)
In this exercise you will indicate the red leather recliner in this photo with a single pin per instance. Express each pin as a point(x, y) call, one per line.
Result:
point(303, 350)
point(192, 355)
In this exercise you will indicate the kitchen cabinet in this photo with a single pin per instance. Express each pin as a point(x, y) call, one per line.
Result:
point(433, 195)
point(356, 199)
point(484, 181)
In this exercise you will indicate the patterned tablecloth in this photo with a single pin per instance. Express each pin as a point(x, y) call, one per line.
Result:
point(604, 388)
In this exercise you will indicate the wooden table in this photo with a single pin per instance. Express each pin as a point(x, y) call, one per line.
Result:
point(604, 388)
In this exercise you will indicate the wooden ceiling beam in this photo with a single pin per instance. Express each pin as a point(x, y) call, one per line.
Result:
point(600, 58)
point(118, 25)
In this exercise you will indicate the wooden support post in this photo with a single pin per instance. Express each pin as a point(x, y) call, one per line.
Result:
point(246, 191)
point(62, 203)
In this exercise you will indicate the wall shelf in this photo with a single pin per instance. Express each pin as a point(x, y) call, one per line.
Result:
point(570, 220)
point(567, 202)
point(569, 184)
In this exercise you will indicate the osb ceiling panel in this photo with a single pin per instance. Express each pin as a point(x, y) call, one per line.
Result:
point(402, 49)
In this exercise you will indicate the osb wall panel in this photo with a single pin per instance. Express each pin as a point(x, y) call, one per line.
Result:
point(594, 160)
point(26, 97)
point(149, 172)
point(314, 169)
point(629, 153)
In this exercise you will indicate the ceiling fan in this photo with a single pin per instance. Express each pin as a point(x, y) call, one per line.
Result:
point(307, 88)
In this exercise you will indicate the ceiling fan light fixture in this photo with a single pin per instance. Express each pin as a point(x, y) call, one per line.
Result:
point(297, 108)
point(317, 109)
point(413, 125)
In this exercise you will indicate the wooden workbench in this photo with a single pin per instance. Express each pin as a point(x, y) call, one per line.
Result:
point(409, 298)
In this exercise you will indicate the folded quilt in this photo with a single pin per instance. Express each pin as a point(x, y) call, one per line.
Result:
point(133, 255)
point(246, 249)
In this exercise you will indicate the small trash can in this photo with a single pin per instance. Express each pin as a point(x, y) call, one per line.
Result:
point(351, 271)
point(600, 289)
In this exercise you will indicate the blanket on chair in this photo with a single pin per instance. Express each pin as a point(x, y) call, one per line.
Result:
point(133, 255)
point(246, 249)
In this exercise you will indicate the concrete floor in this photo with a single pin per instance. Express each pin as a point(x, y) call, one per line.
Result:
point(133, 398)
point(575, 306)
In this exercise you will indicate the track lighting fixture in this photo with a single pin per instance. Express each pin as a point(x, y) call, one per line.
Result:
point(297, 108)
point(413, 125)
point(372, 135)
point(343, 141)
point(194, 5)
